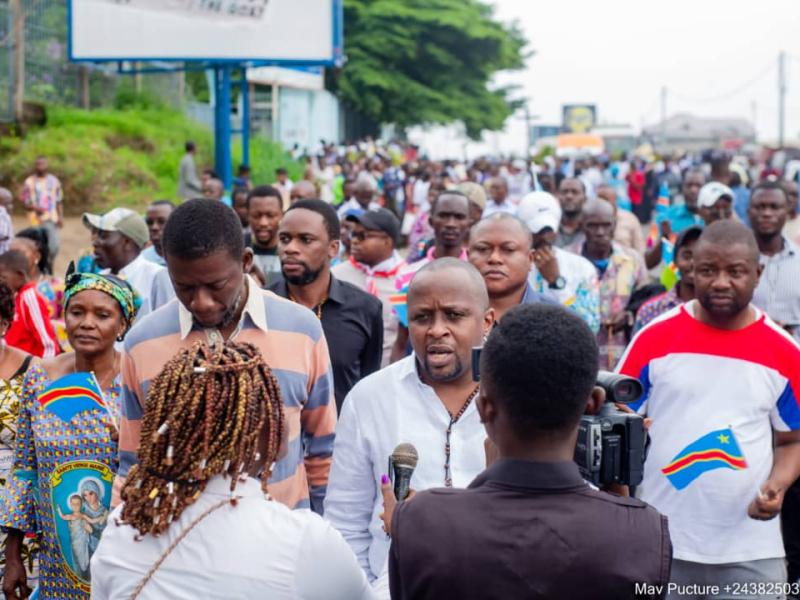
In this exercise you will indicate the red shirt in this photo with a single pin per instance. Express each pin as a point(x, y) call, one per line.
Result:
point(31, 330)
point(635, 186)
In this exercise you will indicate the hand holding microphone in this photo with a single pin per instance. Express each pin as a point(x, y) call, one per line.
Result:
point(402, 463)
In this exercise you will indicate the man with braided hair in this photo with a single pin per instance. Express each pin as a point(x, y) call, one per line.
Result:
point(197, 520)
point(217, 301)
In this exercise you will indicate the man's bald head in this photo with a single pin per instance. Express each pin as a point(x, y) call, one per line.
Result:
point(474, 287)
point(303, 190)
point(729, 233)
point(598, 207)
point(514, 226)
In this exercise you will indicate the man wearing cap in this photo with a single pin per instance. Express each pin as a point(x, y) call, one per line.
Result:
point(117, 241)
point(477, 199)
point(566, 277)
point(374, 263)
point(715, 202)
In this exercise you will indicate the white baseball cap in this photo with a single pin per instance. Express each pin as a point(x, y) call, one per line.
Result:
point(540, 210)
point(711, 192)
point(124, 220)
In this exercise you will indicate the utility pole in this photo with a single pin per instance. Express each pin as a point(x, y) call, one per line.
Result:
point(781, 97)
point(18, 32)
point(528, 132)
point(663, 115)
point(753, 116)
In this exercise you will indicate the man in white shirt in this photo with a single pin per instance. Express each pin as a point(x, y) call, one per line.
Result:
point(363, 198)
point(117, 240)
point(426, 399)
point(498, 198)
point(566, 277)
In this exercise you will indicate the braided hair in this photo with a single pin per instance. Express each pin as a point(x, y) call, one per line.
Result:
point(207, 413)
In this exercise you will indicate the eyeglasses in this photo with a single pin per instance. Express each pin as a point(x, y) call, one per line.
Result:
point(363, 235)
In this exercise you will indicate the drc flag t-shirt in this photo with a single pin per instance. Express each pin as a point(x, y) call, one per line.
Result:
point(714, 397)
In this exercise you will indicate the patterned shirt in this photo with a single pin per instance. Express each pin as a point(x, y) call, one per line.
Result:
point(292, 343)
point(42, 194)
point(580, 289)
point(49, 453)
point(655, 307)
point(624, 274)
point(778, 291)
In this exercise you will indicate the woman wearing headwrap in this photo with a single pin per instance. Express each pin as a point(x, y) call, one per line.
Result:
point(66, 436)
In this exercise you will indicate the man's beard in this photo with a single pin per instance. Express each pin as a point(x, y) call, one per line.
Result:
point(307, 276)
point(455, 373)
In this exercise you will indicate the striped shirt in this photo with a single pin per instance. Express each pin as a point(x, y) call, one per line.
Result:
point(778, 291)
point(292, 343)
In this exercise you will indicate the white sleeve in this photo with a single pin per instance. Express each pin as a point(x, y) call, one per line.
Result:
point(351, 494)
point(328, 568)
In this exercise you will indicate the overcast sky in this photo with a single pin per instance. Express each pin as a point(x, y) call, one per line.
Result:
point(618, 54)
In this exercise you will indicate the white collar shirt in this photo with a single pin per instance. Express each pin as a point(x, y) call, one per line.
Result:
point(256, 549)
point(140, 273)
point(254, 308)
point(383, 410)
point(493, 207)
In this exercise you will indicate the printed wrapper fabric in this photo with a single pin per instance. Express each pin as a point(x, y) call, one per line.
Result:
point(64, 466)
point(10, 394)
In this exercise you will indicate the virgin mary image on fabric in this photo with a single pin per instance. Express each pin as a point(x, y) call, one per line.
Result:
point(85, 518)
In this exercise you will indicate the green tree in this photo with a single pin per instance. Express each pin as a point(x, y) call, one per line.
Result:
point(427, 61)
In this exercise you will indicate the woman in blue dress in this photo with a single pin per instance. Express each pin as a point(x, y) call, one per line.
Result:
point(66, 434)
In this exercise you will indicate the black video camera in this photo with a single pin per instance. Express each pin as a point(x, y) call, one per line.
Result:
point(611, 444)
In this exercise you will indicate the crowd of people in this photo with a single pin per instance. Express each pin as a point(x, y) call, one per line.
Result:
point(280, 341)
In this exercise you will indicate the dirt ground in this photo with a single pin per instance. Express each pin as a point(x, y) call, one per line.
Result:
point(75, 241)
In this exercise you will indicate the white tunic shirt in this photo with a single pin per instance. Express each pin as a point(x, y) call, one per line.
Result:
point(383, 410)
point(257, 549)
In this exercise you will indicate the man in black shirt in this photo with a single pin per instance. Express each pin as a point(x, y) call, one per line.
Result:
point(308, 238)
point(529, 526)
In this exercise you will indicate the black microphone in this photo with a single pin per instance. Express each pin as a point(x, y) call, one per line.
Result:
point(402, 463)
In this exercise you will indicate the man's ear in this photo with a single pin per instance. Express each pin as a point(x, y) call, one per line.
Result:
point(595, 401)
point(247, 260)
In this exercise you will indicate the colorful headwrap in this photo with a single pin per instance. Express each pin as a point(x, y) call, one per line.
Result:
point(119, 289)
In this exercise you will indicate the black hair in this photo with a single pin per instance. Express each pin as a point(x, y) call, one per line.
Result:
point(265, 191)
point(39, 237)
point(687, 236)
point(728, 232)
point(578, 179)
point(6, 303)
point(211, 173)
point(244, 169)
point(767, 185)
point(189, 146)
point(735, 179)
point(281, 171)
point(447, 192)
point(326, 211)
point(163, 202)
point(201, 227)
point(238, 191)
point(540, 364)
point(15, 261)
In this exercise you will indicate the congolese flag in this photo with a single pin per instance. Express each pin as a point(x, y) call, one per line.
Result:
point(72, 394)
point(715, 450)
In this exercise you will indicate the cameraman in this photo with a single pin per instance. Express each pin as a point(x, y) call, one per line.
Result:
point(529, 526)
